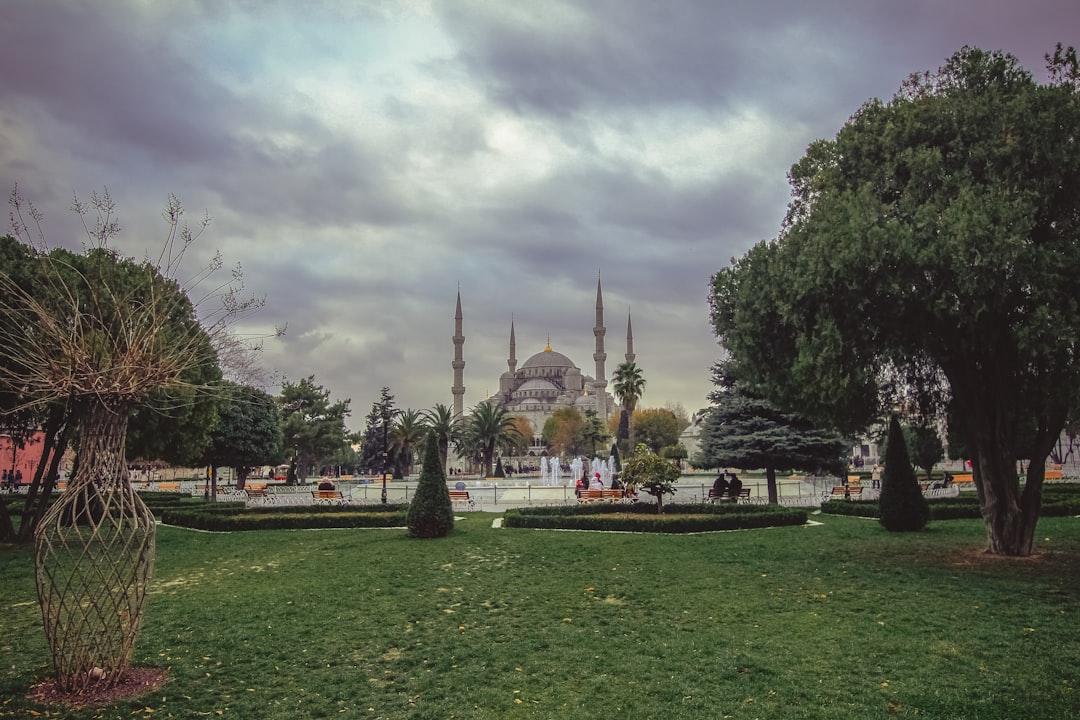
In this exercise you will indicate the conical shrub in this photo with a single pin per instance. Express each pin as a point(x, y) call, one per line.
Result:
point(431, 514)
point(903, 507)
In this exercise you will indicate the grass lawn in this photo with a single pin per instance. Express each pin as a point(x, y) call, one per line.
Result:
point(841, 620)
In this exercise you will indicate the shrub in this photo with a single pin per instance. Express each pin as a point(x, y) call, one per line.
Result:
point(232, 516)
point(902, 505)
point(641, 517)
point(431, 514)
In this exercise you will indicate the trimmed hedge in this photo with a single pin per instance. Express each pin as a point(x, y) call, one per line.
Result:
point(1056, 502)
point(643, 517)
point(230, 517)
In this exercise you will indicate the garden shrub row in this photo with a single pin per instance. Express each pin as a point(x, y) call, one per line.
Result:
point(1054, 504)
point(229, 517)
point(643, 518)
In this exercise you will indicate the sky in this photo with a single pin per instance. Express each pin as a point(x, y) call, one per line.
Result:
point(363, 161)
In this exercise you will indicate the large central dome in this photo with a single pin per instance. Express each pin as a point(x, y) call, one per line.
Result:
point(548, 359)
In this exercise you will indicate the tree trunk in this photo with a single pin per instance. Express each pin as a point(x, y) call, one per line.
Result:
point(39, 494)
point(770, 481)
point(1009, 511)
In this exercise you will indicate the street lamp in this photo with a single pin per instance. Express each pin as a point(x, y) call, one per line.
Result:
point(385, 448)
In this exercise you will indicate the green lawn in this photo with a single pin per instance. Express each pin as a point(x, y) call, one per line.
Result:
point(841, 620)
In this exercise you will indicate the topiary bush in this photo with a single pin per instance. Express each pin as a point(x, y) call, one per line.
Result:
point(902, 505)
point(431, 515)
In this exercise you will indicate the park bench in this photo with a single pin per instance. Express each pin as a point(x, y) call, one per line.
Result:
point(328, 497)
point(601, 495)
point(743, 496)
point(257, 491)
point(461, 496)
point(172, 486)
point(846, 492)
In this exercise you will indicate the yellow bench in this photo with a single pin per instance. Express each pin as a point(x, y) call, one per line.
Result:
point(328, 496)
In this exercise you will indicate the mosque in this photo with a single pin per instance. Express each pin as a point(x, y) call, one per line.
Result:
point(548, 380)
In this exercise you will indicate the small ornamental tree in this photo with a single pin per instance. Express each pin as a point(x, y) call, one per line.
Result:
point(499, 471)
point(903, 507)
point(615, 456)
point(650, 472)
point(430, 513)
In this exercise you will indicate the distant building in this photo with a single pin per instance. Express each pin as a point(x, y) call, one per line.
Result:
point(547, 380)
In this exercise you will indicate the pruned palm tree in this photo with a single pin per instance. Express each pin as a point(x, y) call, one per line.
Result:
point(442, 421)
point(405, 437)
point(628, 387)
point(488, 427)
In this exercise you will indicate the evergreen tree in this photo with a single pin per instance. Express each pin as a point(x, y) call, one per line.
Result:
point(378, 426)
point(903, 507)
point(744, 431)
point(431, 514)
point(499, 471)
point(615, 454)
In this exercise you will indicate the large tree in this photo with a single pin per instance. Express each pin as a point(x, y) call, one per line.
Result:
point(406, 434)
point(487, 428)
point(628, 387)
point(311, 426)
point(656, 427)
point(248, 433)
point(441, 421)
point(93, 338)
point(564, 432)
point(743, 431)
point(375, 454)
point(932, 249)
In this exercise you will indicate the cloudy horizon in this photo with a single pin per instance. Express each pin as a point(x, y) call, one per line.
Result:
point(362, 161)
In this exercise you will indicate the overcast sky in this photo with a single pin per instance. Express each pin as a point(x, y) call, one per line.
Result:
point(364, 160)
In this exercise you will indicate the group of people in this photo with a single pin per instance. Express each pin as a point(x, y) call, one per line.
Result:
point(726, 485)
point(11, 478)
point(597, 483)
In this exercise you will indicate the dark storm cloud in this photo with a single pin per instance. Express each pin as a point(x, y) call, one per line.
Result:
point(86, 69)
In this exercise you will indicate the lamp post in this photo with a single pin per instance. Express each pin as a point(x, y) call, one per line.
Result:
point(385, 448)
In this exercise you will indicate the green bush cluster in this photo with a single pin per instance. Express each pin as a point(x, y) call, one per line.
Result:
point(643, 518)
point(1059, 501)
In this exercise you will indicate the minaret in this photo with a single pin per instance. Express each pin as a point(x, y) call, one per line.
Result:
point(629, 340)
point(600, 356)
point(459, 363)
point(512, 362)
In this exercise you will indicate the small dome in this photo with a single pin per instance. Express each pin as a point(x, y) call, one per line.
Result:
point(536, 384)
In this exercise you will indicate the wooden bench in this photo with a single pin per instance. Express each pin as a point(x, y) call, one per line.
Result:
point(601, 495)
point(258, 492)
point(171, 486)
point(461, 496)
point(743, 496)
point(329, 497)
point(846, 492)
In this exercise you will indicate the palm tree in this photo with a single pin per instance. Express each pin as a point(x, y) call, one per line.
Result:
point(405, 437)
point(628, 387)
point(442, 421)
point(488, 427)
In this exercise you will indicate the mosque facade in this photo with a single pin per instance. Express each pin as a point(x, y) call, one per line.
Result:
point(547, 380)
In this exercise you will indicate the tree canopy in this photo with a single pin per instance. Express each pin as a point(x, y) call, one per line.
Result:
point(743, 431)
point(931, 254)
point(312, 426)
point(248, 431)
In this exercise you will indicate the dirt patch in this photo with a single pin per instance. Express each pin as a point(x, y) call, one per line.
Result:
point(973, 557)
point(133, 683)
